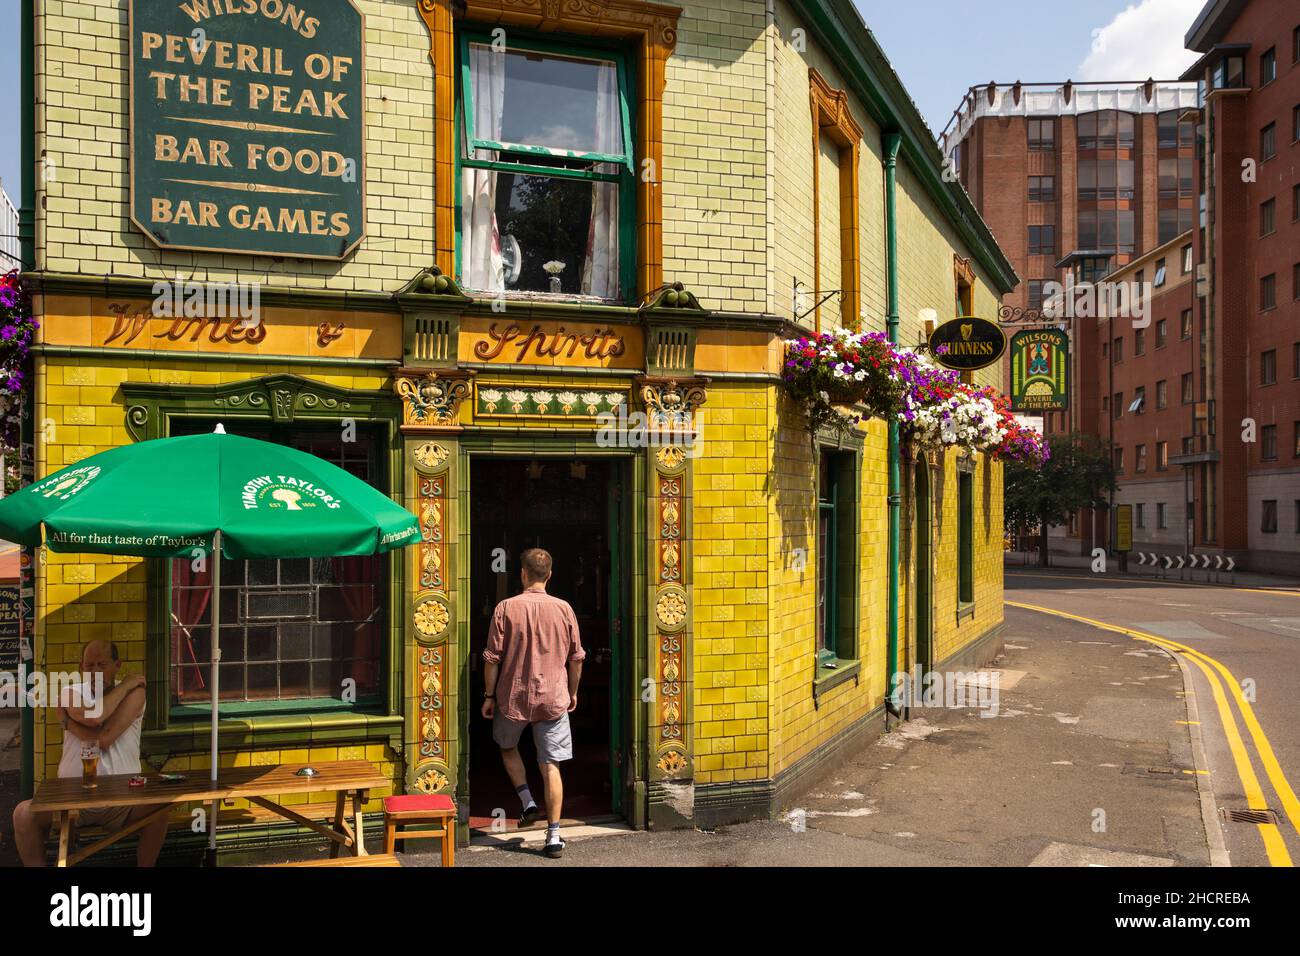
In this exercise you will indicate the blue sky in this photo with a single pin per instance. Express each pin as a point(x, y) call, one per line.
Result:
point(939, 47)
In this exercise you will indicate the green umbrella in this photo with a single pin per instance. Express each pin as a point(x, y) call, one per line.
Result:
point(198, 494)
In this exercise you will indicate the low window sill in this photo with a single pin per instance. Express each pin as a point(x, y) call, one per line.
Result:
point(965, 610)
point(831, 677)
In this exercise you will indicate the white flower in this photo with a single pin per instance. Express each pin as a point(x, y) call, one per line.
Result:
point(554, 267)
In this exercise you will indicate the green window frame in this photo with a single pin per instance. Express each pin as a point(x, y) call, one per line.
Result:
point(965, 538)
point(837, 557)
point(520, 158)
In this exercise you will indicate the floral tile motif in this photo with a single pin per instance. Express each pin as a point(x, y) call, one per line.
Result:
point(545, 402)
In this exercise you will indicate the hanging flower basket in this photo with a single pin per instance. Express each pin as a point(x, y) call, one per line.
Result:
point(17, 327)
point(842, 368)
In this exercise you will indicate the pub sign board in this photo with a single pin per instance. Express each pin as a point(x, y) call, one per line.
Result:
point(967, 344)
point(10, 609)
point(1040, 371)
point(247, 125)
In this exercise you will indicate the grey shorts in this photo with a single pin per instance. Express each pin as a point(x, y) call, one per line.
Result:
point(552, 737)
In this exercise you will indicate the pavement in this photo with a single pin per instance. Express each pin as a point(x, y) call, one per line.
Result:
point(1088, 762)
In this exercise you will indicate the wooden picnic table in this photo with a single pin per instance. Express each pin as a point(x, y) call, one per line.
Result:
point(65, 798)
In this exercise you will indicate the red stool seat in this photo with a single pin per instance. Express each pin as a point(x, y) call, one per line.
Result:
point(414, 802)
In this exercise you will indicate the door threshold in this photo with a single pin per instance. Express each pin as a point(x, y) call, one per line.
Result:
point(535, 835)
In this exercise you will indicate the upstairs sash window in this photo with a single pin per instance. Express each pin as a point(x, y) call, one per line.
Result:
point(546, 171)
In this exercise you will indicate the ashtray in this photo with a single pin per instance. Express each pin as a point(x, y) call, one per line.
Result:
point(307, 772)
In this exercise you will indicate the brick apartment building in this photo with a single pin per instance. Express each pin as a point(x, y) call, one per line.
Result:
point(1219, 362)
point(1075, 177)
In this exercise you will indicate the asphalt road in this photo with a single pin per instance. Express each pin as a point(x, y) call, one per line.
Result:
point(1241, 649)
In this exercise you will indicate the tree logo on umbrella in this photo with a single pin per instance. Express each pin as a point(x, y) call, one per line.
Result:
point(66, 485)
point(285, 493)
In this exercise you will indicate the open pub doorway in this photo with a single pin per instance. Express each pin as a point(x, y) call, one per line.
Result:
point(574, 509)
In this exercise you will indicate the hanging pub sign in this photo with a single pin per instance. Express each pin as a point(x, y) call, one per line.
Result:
point(247, 125)
point(967, 344)
point(1040, 371)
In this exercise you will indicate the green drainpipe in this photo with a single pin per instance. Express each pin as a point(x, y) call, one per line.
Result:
point(27, 250)
point(892, 142)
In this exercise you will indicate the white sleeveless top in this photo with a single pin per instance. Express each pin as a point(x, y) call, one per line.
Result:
point(123, 756)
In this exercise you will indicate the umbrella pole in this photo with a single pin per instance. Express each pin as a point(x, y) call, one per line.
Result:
point(216, 660)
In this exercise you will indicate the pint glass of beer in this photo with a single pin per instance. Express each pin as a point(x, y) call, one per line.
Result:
point(89, 764)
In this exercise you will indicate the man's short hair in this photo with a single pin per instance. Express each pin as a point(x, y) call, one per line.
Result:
point(112, 648)
point(536, 564)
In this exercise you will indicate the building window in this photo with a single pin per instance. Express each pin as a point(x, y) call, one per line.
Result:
point(1295, 360)
point(1229, 73)
point(1042, 134)
point(836, 556)
point(835, 202)
point(1268, 66)
point(1162, 515)
point(1138, 405)
point(1140, 459)
point(1268, 292)
point(965, 537)
point(1189, 445)
point(1295, 202)
point(1139, 342)
point(1106, 129)
point(1185, 324)
point(1268, 516)
point(1172, 223)
point(1117, 350)
point(1297, 516)
point(1296, 443)
point(1161, 273)
point(1188, 396)
point(1042, 189)
point(1266, 217)
point(1162, 456)
point(1268, 142)
point(1109, 179)
point(292, 628)
point(1268, 367)
point(1119, 461)
point(1162, 334)
point(1036, 293)
point(1042, 240)
point(1295, 45)
point(1140, 515)
point(1117, 404)
point(1162, 394)
point(1295, 123)
point(536, 191)
point(1175, 178)
point(1187, 258)
point(1295, 281)
point(1268, 443)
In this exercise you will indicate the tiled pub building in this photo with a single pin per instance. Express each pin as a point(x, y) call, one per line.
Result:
point(567, 209)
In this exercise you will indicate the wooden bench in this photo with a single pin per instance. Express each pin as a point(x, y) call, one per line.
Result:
point(372, 859)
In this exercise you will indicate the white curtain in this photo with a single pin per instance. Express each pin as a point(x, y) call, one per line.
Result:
point(600, 268)
point(481, 266)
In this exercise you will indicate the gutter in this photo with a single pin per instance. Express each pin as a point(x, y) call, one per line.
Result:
point(27, 253)
point(892, 142)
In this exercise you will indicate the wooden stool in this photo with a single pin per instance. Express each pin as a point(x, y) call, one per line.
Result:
point(436, 808)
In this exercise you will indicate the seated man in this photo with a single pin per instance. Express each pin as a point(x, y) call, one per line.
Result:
point(115, 723)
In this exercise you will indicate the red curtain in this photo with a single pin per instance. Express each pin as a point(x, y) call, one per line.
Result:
point(191, 594)
point(358, 578)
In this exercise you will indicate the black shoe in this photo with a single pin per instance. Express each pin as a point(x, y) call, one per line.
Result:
point(529, 816)
point(554, 850)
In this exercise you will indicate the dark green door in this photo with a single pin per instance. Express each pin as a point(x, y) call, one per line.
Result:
point(618, 659)
point(924, 570)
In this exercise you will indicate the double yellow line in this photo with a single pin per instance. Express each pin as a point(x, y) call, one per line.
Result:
point(1274, 845)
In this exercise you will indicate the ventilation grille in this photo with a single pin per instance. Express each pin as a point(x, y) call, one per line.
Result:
point(1249, 816)
point(673, 350)
point(432, 339)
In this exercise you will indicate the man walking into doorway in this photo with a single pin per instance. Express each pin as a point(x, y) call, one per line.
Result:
point(533, 662)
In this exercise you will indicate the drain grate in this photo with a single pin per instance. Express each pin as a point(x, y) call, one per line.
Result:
point(1249, 816)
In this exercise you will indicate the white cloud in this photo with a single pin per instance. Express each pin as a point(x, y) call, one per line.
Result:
point(1142, 41)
